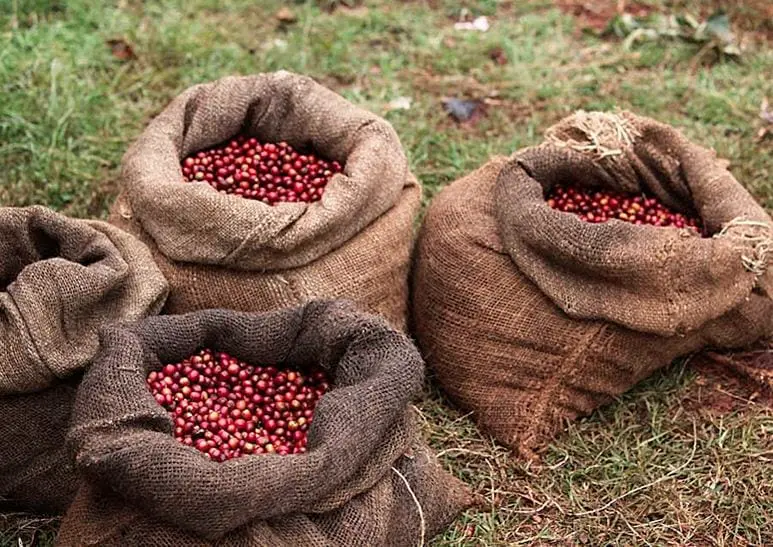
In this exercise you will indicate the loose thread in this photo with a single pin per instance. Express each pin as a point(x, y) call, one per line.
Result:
point(761, 244)
point(606, 134)
point(423, 529)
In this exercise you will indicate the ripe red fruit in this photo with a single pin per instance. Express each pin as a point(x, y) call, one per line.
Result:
point(271, 173)
point(206, 397)
point(600, 206)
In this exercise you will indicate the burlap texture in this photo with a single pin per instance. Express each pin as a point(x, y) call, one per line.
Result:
point(224, 251)
point(643, 277)
point(371, 269)
point(61, 280)
point(531, 317)
point(36, 473)
point(143, 487)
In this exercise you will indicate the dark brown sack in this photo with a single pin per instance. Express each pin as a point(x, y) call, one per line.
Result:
point(224, 251)
point(61, 280)
point(366, 479)
point(36, 473)
point(532, 317)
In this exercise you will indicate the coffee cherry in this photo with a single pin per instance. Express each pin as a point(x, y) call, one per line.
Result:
point(597, 206)
point(207, 398)
point(271, 173)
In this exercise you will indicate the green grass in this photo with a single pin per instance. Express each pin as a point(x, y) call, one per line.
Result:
point(649, 470)
point(646, 470)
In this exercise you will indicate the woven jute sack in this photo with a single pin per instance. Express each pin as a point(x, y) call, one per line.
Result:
point(366, 479)
point(61, 279)
point(531, 317)
point(224, 251)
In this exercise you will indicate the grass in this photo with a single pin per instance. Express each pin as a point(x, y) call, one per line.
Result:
point(645, 471)
point(650, 469)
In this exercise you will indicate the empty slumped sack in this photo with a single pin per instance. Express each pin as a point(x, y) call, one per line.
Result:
point(61, 279)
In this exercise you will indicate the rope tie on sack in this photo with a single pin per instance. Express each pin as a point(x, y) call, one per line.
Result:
point(604, 134)
point(422, 522)
point(756, 237)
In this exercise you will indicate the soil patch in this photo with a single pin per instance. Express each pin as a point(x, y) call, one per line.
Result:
point(729, 382)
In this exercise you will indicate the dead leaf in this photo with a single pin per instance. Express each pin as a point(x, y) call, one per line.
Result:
point(498, 55)
point(277, 43)
point(353, 11)
point(399, 103)
point(286, 16)
point(480, 24)
point(335, 5)
point(121, 49)
point(464, 110)
point(590, 15)
point(713, 34)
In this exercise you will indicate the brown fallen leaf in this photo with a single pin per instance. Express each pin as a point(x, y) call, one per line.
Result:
point(286, 16)
point(121, 49)
point(498, 55)
point(333, 5)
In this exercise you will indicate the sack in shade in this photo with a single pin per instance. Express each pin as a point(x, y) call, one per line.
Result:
point(531, 317)
point(366, 479)
point(224, 251)
point(61, 279)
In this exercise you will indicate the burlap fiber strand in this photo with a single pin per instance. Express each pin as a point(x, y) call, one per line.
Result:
point(61, 279)
point(366, 480)
point(224, 251)
point(532, 317)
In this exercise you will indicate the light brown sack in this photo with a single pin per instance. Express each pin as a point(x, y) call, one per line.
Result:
point(532, 317)
point(366, 479)
point(224, 251)
point(61, 279)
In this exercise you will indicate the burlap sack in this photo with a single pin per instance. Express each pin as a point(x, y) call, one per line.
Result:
point(223, 251)
point(61, 280)
point(36, 473)
point(366, 479)
point(531, 316)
